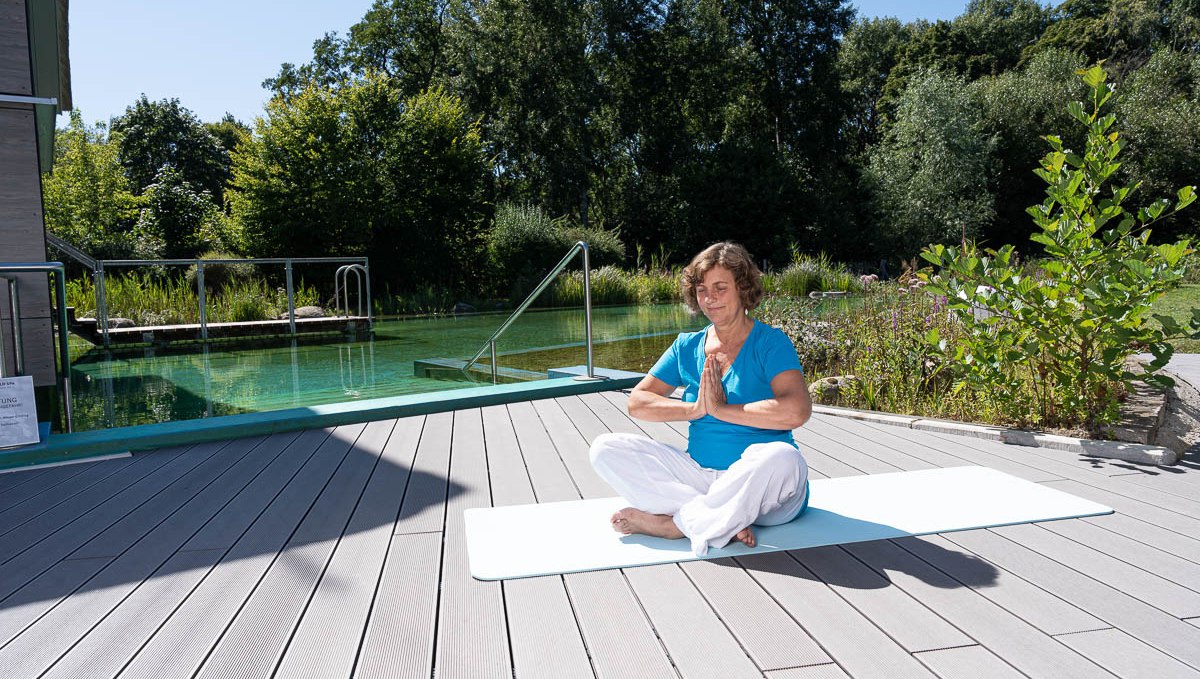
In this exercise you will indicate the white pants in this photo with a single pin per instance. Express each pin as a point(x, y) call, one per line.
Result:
point(767, 486)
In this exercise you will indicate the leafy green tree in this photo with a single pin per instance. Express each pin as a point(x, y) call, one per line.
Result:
point(1159, 107)
point(434, 184)
point(1123, 33)
point(302, 186)
point(1051, 349)
point(1017, 107)
point(530, 68)
point(931, 173)
point(870, 50)
point(88, 200)
point(159, 133)
point(359, 171)
point(230, 132)
point(182, 218)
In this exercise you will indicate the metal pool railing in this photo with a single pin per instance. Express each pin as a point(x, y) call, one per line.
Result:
point(490, 344)
point(62, 371)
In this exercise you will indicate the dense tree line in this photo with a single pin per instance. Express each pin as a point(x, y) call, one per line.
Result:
point(665, 125)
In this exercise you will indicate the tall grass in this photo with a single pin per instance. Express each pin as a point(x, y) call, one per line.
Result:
point(150, 300)
point(611, 285)
point(880, 340)
point(807, 274)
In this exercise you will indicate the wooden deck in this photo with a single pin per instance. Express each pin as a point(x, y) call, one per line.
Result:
point(339, 553)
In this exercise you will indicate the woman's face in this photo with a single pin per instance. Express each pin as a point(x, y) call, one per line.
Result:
point(718, 297)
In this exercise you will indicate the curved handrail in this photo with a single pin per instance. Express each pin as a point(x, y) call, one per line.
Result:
point(580, 246)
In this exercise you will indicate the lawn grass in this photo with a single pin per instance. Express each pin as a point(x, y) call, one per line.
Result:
point(1179, 303)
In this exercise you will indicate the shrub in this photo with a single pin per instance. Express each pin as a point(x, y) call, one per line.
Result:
point(525, 243)
point(1052, 349)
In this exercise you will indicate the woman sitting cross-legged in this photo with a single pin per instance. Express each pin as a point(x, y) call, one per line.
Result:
point(744, 392)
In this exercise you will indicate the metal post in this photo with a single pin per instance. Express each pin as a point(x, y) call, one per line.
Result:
point(64, 350)
point(370, 313)
point(287, 267)
point(14, 305)
point(587, 310)
point(203, 302)
point(101, 302)
point(493, 343)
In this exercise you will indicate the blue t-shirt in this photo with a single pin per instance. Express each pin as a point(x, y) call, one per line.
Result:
point(767, 352)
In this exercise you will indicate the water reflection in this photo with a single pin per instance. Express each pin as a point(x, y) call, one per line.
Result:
point(146, 385)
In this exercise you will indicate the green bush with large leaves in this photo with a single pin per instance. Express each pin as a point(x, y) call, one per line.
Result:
point(1051, 349)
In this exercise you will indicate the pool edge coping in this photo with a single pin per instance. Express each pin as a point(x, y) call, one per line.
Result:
point(80, 446)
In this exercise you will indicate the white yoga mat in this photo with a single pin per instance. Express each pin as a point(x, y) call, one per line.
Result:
point(568, 537)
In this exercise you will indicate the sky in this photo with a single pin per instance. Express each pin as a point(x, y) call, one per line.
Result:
point(213, 55)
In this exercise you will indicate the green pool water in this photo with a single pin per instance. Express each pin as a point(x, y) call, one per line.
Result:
point(142, 386)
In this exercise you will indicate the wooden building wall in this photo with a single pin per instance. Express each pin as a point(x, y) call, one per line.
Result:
point(22, 229)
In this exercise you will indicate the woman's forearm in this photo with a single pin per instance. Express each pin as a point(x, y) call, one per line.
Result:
point(651, 407)
point(772, 413)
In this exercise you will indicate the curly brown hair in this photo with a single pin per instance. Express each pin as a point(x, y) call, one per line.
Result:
point(736, 260)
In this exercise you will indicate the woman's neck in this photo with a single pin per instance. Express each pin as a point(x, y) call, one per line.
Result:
point(735, 331)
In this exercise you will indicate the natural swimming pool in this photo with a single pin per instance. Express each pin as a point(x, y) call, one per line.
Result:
point(141, 386)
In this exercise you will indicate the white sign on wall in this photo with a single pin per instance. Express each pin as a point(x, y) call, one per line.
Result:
point(18, 412)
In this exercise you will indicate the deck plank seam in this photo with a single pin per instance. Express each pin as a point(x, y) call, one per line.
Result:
point(1049, 530)
point(147, 461)
point(287, 643)
point(1098, 614)
point(7, 494)
point(132, 592)
point(224, 551)
point(275, 559)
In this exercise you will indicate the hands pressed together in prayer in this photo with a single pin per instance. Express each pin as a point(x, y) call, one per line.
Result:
point(711, 398)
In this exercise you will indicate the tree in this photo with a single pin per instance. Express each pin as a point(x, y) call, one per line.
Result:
point(1018, 106)
point(357, 170)
point(230, 132)
point(870, 50)
point(88, 200)
point(302, 185)
point(1160, 109)
point(182, 218)
point(931, 173)
point(529, 67)
point(155, 134)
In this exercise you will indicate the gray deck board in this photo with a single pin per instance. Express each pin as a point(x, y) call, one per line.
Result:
point(698, 641)
point(882, 442)
point(963, 592)
point(1127, 656)
point(603, 602)
point(1143, 585)
point(341, 553)
point(828, 671)
point(472, 640)
point(851, 638)
point(768, 634)
point(63, 541)
point(109, 644)
point(13, 494)
point(48, 498)
point(399, 638)
point(181, 644)
point(116, 577)
point(1033, 605)
point(1161, 630)
point(327, 637)
point(902, 617)
point(545, 636)
point(258, 635)
point(968, 662)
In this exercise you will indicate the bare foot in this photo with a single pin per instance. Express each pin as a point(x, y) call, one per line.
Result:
point(629, 521)
point(745, 536)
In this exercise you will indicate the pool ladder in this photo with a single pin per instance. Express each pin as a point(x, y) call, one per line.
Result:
point(490, 344)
